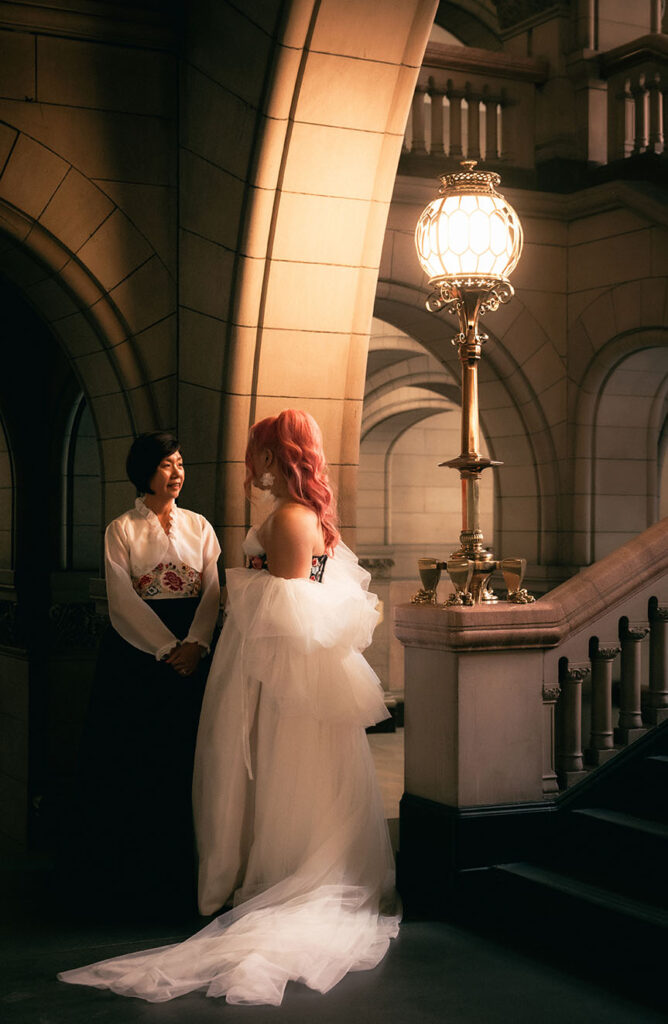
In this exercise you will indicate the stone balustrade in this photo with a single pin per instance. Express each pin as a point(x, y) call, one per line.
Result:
point(474, 103)
point(637, 79)
point(494, 709)
point(483, 105)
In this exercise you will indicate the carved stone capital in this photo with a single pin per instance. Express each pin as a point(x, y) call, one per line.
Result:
point(604, 653)
point(577, 674)
point(635, 634)
point(551, 692)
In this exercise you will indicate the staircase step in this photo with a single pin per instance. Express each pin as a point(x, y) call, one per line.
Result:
point(626, 821)
point(586, 892)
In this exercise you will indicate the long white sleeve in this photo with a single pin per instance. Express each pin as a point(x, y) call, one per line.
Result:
point(204, 619)
point(130, 615)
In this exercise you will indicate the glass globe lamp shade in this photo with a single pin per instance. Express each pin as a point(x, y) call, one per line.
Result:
point(469, 232)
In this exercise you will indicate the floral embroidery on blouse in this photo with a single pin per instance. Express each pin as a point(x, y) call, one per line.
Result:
point(168, 578)
point(317, 565)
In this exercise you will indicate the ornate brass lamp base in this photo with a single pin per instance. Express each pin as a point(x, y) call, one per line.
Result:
point(470, 578)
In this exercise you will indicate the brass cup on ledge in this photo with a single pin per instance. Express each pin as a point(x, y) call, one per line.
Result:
point(430, 574)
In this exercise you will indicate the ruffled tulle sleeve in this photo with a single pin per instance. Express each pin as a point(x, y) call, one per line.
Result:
point(303, 640)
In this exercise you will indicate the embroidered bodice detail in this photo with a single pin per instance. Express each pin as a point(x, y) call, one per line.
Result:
point(317, 568)
point(168, 579)
point(317, 565)
point(257, 559)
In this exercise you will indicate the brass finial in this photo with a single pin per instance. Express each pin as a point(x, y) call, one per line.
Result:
point(468, 165)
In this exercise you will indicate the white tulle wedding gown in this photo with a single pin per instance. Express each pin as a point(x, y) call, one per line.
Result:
point(289, 820)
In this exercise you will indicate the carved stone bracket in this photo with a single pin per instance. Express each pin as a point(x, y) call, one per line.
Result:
point(551, 692)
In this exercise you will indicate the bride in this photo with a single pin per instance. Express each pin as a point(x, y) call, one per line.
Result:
point(290, 826)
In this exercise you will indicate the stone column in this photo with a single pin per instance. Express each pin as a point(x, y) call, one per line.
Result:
point(550, 698)
point(436, 145)
point(491, 126)
point(655, 709)
point(656, 127)
point(630, 717)
point(640, 99)
point(417, 139)
point(601, 745)
point(455, 148)
point(570, 762)
point(473, 112)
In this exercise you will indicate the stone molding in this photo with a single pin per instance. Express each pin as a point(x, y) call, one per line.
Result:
point(109, 23)
point(476, 60)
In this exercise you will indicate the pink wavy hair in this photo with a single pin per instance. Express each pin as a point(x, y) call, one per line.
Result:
point(295, 439)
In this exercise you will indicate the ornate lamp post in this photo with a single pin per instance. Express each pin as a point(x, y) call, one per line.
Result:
point(469, 241)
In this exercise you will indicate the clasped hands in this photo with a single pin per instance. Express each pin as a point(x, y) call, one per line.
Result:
point(184, 658)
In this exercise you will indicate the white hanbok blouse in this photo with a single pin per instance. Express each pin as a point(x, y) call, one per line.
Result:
point(142, 559)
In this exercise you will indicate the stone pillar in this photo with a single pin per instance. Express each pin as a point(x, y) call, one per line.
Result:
point(436, 143)
point(640, 99)
point(473, 124)
point(550, 697)
point(491, 127)
point(656, 127)
point(601, 746)
point(655, 709)
point(630, 717)
point(455, 148)
point(417, 139)
point(570, 762)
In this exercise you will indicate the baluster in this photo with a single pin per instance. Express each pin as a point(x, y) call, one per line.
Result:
point(455, 121)
point(570, 763)
point(655, 15)
point(639, 93)
point(417, 142)
point(436, 147)
point(473, 146)
point(655, 114)
point(550, 697)
point(630, 725)
point(491, 126)
point(655, 709)
point(620, 143)
point(601, 746)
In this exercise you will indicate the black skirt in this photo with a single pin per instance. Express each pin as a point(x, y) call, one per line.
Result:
point(136, 846)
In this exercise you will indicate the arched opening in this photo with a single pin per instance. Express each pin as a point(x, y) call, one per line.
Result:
point(47, 649)
point(631, 417)
point(82, 512)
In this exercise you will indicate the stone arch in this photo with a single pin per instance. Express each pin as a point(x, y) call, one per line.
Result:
point(472, 21)
point(605, 361)
point(313, 226)
point(87, 271)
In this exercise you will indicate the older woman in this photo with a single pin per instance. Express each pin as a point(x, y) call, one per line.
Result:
point(164, 596)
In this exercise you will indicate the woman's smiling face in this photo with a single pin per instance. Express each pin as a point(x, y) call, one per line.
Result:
point(168, 478)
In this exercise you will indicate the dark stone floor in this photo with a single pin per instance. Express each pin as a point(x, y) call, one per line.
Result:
point(434, 972)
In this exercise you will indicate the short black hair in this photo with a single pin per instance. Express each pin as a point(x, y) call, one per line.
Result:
point(146, 453)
